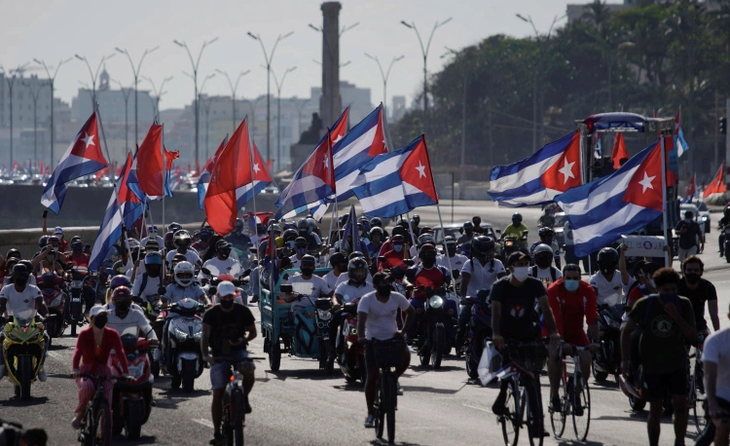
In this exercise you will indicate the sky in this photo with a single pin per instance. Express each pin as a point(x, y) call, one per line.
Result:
point(54, 30)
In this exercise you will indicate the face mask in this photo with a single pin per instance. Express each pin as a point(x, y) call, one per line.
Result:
point(428, 261)
point(651, 283)
point(78, 248)
point(100, 320)
point(688, 220)
point(376, 239)
point(383, 290)
point(543, 263)
point(226, 304)
point(182, 250)
point(571, 285)
point(21, 281)
point(307, 271)
point(692, 278)
point(397, 248)
point(301, 251)
point(606, 270)
point(451, 251)
point(153, 272)
point(520, 273)
point(122, 307)
point(224, 255)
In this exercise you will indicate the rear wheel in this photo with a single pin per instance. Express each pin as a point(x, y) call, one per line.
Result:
point(188, 375)
point(238, 417)
point(598, 375)
point(695, 404)
point(226, 425)
point(535, 416)
point(472, 364)
point(363, 369)
point(379, 410)
point(102, 424)
point(510, 419)
point(437, 346)
point(25, 376)
point(557, 419)
point(636, 404)
point(275, 355)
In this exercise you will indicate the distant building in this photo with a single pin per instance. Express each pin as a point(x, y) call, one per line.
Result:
point(398, 108)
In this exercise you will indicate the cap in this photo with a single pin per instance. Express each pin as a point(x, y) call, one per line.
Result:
point(226, 288)
point(97, 310)
point(58, 230)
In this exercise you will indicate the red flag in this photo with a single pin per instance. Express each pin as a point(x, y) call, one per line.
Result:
point(717, 188)
point(149, 163)
point(170, 156)
point(619, 152)
point(41, 167)
point(692, 187)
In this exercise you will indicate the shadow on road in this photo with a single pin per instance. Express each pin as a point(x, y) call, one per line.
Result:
point(401, 443)
point(144, 439)
point(443, 368)
point(15, 402)
point(313, 374)
point(431, 389)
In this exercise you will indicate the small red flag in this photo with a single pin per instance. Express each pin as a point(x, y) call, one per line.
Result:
point(619, 152)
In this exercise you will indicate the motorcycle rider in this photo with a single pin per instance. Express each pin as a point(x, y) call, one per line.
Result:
point(468, 228)
point(667, 322)
point(148, 283)
point(152, 235)
point(546, 220)
point(427, 277)
point(222, 262)
point(699, 291)
point(339, 266)
point(547, 237)
point(78, 256)
point(376, 319)
point(609, 283)
point(123, 316)
point(182, 242)
point(716, 363)
point(237, 238)
point(17, 296)
point(724, 221)
point(203, 239)
point(51, 258)
point(516, 229)
point(319, 286)
point(305, 231)
point(377, 238)
point(543, 268)
point(300, 247)
point(228, 328)
point(394, 258)
point(353, 289)
point(456, 260)
point(477, 222)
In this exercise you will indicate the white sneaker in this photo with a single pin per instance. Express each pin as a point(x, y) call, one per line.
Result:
point(42, 377)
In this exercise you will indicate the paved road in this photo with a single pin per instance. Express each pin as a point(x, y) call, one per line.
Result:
point(298, 405)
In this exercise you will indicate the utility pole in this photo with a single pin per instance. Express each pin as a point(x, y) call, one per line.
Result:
point(158, 93)
point(35, 90)
point(126, 93)
point(52, 80)
point(94, 76)
point(279, 86)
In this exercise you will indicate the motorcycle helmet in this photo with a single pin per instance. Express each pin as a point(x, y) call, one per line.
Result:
point(427, 254)
point(376, 234)
point(153, 264)
point(183, 274)
point(607, 260)
point(77, 245)
point(467, 226)
point(416, 219)
point(482, 247)
point(450, 244)
point(174, 227)
point(376, 222)
point(426, 238)
point(238, 226)
point(260, 229)
point(119, 280)
point(21, 273)
point(338, 259)
point(357, 270)
point(48, 279)
point(205, 234)
point(312, 224)
point(43, 241)
point(122, 298)
point(543, 255)
point(223, 249)
point(356, 255)
point(303, 226)
point(13, 253)
point(308, 260)
point(152, 245)
point(300, 242)
point(365, 222)
point(182, 240)
point(275, 228)
point(516, 219)
point(546, 233)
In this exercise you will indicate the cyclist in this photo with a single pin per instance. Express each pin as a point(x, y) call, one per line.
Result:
point(543, 268)
point(698, 291)
point(716, 360)
point(572, 301)
point(377, 319)
point(514, 315)
point(93, 348)
point(516, 229)
point(228, 327)
point(608, 281)
point(667, 322)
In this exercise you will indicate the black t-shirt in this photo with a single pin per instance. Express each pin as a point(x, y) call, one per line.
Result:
point(689, 238)
point(704, 292)
point(520, 320)
point(226, 327)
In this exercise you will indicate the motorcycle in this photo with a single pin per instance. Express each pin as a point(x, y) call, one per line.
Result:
point(215, 277)
point(184, 360)
point(322, 318)
point(437, 326)
point(55, 299)
point(350, 353)
point(607, 360)
point(480, 330)
point(78, 287)
point(24, 348)
point(132, 400)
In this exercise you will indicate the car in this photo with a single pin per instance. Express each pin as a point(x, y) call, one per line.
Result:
point(453, 229)
point(700, 212)
point(559, 228)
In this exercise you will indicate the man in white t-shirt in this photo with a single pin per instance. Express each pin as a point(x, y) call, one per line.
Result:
point(716, 359)
point(306, 286)
point(338, 261)
point(376, 320)
point(543, 268)
point(152, 235)
point(610, 284)
point(223, 263)
point(457, 260)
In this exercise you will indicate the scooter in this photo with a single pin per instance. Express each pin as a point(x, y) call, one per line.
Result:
point(607, 360)
point(132, 400)
point(78, 287)
point(55, 299)
point(431, 340)
point(184, 330)
point(350, 353)
point(24, 348)
point(480, 331)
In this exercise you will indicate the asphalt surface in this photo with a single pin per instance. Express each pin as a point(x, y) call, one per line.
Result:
point(298, 405)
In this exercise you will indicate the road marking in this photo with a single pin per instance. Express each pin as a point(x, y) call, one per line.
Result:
point(204, 422)
point(477, 408)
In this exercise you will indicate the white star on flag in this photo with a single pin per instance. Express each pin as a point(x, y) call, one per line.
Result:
point(646, 182)
point(89, 140)
point(567, 171)
point(421, 170)
point(256, 168)
point(339, 137)
point(326, 163)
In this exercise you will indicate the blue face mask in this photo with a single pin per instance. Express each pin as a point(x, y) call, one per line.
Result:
point(301, 251)
point(571, 285)
point(398, 248)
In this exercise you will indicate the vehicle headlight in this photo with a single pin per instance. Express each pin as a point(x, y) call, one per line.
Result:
point(324, 315)
point(435, 302)
point(136, 371)
point(14, 336)
point(180, 334)
point(198, 336)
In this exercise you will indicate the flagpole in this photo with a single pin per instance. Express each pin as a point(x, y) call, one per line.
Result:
point(446, 250)
point(164, 171)
point(332, 168)
point(386, 128)
point(665, 217)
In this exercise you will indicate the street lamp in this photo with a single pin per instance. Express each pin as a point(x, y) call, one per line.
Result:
point(94, 75)
point(279, 86)
point(126, 93)
point(268, 60)
point(252, 123)
point(300, 107)
point(195, 64)
point(206, 104)
point(52, 80)
point(135, 72)
point(34, 93)
point(385, 75)
point(11, 82)
point(158, 93)
point(424, 52)
point(234, 88)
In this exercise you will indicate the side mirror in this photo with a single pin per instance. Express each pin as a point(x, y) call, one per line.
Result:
point(161, 290)
point(212, 291)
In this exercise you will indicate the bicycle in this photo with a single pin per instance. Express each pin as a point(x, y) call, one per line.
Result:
point(388, 354)
point(522, 374)
point(696, 388)
point(573, 401)
point(96, 424)
point(234, 410)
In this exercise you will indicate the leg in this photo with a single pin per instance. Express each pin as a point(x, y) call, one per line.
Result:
point(463, 324)
point(216, 409)
point(372, 378)
point(86, 392)
point(406, 362)
point(585, 364)
point(555, 367)
point(722, 431)
point(680, 417)
point(653, 423)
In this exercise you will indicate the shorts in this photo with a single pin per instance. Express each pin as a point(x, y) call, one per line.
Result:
point(370, 354)
point(656, 385)
point(220, 371)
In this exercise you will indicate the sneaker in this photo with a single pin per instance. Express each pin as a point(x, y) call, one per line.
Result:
point(217, 439)
point(42, 377)
point(498, 406)
point(76, 423)
point(247, 406)
point(370, 421)
point(555, 405)
point(399, 389)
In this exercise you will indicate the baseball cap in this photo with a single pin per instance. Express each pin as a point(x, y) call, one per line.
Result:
point(97, 310)
point(226, 288)
point(58, 230)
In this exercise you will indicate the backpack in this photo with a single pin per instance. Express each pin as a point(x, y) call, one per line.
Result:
point(553, 273)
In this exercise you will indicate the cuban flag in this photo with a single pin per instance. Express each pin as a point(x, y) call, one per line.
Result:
point(397, 182)
point(83, 157)
point(620, 203)
point(538, 179)
point(679, 142)
point(358, 147)
point(173, 178)
point(314, 182)
point(691, 190)
point(132, 205)
point(205, 175)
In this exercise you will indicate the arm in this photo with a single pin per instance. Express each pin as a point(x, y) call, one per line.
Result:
point(625, 276)
point(548, 314)
point(339, 299)
point(146, 328)
point(465, 279)
point(410, 316)
point(251, 329)
point(40, 305)
point(78, 351)
point(3, 305)
point(626, 331)
point(496, 319)
point(361, 319)
point(712, 308)
point(687, 328)
point(204, 343)
point(711, 388)
point(557, 311)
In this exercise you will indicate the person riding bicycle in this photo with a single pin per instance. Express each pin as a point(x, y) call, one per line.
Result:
point(91, 356)
point(543, 268)
point(517, 230)
point(609, 283)
point(667, 323)
point(699, 291)
point(515, 317)
point(716, 361)
point(572, 301)
point(377, 319)
point(228, 327)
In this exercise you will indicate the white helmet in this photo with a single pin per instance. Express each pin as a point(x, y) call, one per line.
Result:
point(184, 273)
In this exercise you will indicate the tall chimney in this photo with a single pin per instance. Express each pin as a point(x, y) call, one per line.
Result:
point(330, 104)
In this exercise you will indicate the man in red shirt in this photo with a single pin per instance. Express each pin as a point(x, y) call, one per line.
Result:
point(426, 277)
point(394, 257)
point(78, 256)
point(572, 300)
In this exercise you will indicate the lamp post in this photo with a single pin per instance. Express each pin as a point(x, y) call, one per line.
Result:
point(385, 75)
point(34, 94)
point(158, 93)
point(268, 58)
point(195, 64)
point(11, 83)
point(424, 52)
point(126, 93)
point(234, 88)
point(94, 75)
point(253, 105)
point(52, 80)
point(279, 86)
point(135, 72)
point(300, 107)
point(206, 104)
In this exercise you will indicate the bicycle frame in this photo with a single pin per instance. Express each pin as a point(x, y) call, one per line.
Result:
point(570, 401)
point(89, 423)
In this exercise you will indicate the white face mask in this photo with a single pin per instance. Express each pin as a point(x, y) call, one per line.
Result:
point(521, 272)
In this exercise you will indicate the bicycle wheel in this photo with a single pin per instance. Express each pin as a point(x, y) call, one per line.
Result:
point(102, 424)
point(379, 409)
point(581, 403)
point(390, 402)
point(511, 417)
point(535, 416)
point(695, 405)
point(557, 419)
